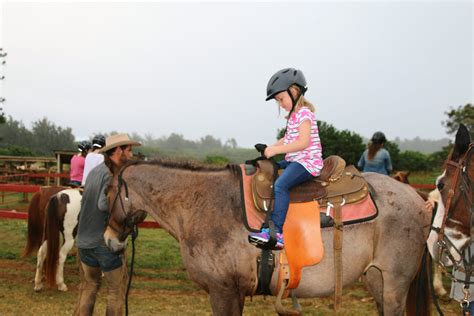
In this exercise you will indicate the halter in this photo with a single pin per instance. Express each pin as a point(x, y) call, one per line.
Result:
point(443, 242)
point(128, 222)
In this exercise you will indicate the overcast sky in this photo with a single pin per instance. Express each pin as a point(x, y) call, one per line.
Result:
point(202, 68)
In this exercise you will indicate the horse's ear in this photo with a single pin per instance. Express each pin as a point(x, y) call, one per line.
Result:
point(64, 198)
point(461, 143)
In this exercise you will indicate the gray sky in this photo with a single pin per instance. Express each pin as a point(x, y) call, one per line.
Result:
point(202, 68)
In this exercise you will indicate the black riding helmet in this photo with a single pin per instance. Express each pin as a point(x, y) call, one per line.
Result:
point(98, 141)
point(84, 146)
point(378, 138)
point(283, 79)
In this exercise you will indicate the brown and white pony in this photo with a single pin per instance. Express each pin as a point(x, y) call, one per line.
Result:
point(62, 210)
point(452, 221)
point(36, 211)
point(451, 230)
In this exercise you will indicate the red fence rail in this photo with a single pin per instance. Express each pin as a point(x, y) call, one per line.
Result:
point(22, 215)
point(20, 188)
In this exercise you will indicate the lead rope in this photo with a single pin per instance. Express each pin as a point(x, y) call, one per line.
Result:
point(134, 236)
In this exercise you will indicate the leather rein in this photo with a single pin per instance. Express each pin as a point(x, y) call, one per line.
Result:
point(128, 221)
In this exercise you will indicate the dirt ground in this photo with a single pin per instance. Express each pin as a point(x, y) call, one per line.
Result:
point(151, 296)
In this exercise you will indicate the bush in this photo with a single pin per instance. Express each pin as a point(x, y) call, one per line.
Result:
point(14, 150)
point(216, 160)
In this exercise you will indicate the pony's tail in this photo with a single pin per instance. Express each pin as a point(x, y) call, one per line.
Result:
point(35, 226)
point(52, 229)
point(419, 298)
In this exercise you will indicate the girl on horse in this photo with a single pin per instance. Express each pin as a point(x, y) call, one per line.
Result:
point(77, 164)
point(300, 144)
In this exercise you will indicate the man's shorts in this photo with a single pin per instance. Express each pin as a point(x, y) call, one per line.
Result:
point(100, 257)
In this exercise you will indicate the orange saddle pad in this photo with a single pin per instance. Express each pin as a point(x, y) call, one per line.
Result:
point(302, 237)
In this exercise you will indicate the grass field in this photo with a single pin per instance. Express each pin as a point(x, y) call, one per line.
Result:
point(160, 285)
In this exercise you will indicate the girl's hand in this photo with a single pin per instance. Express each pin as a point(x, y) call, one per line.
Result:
point(270, 152)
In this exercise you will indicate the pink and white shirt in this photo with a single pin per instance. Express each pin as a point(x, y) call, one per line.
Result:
point(312, 156)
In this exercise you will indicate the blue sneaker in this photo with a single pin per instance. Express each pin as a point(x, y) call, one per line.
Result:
point(261, 238)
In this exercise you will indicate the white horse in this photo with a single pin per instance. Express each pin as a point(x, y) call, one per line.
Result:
point(62, 214)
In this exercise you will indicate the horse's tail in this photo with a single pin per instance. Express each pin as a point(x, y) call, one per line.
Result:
point(35, 225)
point(52, 229)
point(419, 298)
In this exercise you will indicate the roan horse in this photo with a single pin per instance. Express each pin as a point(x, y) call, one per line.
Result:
point(62, 208)
point(202, 208)
point(452, 227)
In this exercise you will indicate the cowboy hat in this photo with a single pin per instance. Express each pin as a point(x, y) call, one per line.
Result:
point(118, 140)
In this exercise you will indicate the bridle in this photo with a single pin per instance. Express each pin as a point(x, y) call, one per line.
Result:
point(129, 224)
point(466, 263)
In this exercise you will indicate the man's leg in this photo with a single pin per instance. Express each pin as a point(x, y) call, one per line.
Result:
point(113, 268)
point(115, 291)
point(89, 287)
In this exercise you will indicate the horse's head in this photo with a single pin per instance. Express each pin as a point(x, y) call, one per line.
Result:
point(125, 212)
point(451, 228)
point(402, 176)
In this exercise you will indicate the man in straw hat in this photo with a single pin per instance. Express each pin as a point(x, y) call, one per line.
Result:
point(95, 257)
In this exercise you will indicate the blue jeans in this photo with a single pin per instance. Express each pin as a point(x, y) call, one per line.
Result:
point(100, 257)
point(293, 174)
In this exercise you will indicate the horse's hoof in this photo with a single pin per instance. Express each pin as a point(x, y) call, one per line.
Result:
point(38, 288)
point(62, 287)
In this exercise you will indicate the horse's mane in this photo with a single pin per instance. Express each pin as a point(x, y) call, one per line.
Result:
point(183, 164)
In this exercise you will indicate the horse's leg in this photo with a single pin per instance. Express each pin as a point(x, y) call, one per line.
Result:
point(69, 242)
point(39, 266)
point(395, 289)
point(225, 301)
point(438, 281)
point(373, 279)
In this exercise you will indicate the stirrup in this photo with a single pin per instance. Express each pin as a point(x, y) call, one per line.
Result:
point(271, 244)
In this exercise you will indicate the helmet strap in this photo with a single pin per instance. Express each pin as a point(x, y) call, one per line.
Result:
point(294, 102)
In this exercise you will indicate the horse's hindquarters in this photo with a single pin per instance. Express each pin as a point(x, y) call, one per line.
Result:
point(357, 254)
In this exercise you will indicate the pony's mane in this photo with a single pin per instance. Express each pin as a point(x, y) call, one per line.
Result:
point(184, 165)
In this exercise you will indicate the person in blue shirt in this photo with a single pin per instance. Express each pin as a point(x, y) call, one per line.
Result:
point(376, 158)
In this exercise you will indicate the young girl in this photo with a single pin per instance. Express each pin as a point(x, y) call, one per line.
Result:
point(301, 144)
point(77, 164)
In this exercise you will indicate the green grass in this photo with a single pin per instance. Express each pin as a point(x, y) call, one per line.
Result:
point(420, 177)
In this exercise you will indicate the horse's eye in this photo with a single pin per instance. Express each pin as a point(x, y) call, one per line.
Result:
point(440, 186)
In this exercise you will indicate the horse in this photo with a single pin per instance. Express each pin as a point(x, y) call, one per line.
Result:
point(201, 207)
point(450, 233)
point(402, 176)
point(62, 213)
point(36, 210)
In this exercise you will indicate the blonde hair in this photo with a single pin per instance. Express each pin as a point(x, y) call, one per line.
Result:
point(302, 101)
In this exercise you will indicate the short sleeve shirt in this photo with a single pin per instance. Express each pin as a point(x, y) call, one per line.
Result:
point(310, 157)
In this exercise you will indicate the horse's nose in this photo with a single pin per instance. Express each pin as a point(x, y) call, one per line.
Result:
point(114, 245)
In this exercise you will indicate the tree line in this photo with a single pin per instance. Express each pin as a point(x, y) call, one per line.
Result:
point(44, 137)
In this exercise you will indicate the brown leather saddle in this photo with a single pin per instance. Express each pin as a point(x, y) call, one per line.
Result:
point(337, 182)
